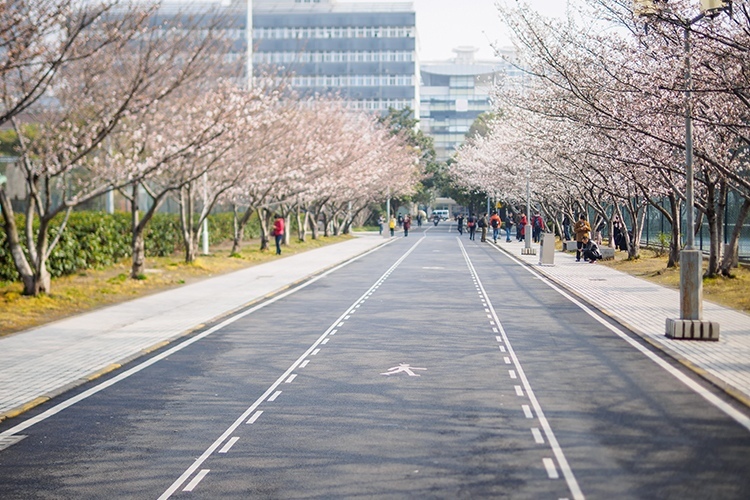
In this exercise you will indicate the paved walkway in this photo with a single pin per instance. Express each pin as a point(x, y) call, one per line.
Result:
point(39, 364)
point(644, 308)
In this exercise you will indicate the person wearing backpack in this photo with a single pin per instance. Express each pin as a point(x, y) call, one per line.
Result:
point(482, 223)
point(495, 223)
point(537, 225)
point(471, 224)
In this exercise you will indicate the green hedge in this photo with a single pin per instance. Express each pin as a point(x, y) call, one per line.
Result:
point(96, 239)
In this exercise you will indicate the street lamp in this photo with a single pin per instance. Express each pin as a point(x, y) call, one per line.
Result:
point(690, 325)
point(527, 250)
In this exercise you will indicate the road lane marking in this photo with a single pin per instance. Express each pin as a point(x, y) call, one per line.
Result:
point(570, 478)
point(538, 439)
point(502, 348)
point(551, 469)
point(275, 395)
point(229, 444)
point(182, 345)
point(313, 349)
point(197, 479)
point(333, 332)
point(519, 390)
point(736, 415)
point(527, 411)
point(315, 352)
point(512, 374)
point(255, 417)
point(291, 378)
point(304, 363)
point(325, 341)
point(507, 360)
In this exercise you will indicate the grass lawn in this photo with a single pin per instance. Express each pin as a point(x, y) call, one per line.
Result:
point(92, 289)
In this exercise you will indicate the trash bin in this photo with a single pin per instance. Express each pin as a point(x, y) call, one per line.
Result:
point(547, 249)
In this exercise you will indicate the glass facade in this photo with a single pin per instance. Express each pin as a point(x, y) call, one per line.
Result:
point(453, 94)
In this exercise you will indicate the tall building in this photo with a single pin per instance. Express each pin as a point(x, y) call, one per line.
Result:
point(453, 94)
point(364, 52)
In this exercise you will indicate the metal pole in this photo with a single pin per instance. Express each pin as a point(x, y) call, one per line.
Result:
point(526, 230)
point(689, 175)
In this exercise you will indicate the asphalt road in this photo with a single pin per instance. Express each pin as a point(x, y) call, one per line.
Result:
point(436, 367)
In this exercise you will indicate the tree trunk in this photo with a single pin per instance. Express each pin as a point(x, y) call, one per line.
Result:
point(674, 245)
point(239, 228)
point(731, 252)
point(713, 222)
point(138, 261)
point(14, 243)
point(263, 219)
point(186, 220)
point(301, 224)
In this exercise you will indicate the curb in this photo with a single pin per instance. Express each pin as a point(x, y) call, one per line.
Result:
point(727, 388)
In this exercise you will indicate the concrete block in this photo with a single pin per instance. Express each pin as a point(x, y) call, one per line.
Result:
point(607, 253)
point(570, 246)
point(528, 251)
point(692, 329)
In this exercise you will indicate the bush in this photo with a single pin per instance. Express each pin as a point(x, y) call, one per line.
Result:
point(95, 239)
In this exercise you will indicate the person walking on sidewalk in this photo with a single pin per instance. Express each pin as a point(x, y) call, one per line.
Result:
point(392, 225)
point(460, 224)
point(471, 223)
point(537, 225)
point(381, 223)
point(483, 226)
point(278, 232)
point(508, 225)
point(495, 223)
point(407, 224)
point(521, 231)
point(582, 230)
point(566, 227)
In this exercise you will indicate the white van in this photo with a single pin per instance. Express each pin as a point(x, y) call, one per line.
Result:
point(443, 213)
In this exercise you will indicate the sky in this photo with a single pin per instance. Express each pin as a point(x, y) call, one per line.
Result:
point(445, 24)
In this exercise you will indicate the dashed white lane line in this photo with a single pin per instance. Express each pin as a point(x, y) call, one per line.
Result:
point(312, 350)
point(341, 324)
point(304, 363)
point(502, 348)
point(291, 378)
point(507, 360)
point(315, 352)
point(551, 469)
point(538, 438)
point(275, 395)
point(519, 391)
point(229, 444)
point(512, 374)
point(333, 332)
point(197, 479)
point(325, 341)
point(255, 417)
point(527, 411)
point(499, 339)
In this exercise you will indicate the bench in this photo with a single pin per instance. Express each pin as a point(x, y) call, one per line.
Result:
point(607, 253)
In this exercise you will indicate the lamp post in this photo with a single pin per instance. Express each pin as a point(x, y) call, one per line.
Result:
point(527, 250)
point(690, 325)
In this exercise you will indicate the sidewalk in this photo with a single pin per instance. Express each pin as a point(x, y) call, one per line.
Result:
point(39, 364)
point(644, 307)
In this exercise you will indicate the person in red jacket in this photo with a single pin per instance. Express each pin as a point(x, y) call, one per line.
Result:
point(278, 232)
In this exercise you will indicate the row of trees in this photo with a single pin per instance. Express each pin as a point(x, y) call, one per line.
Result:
point(598, 121)
point(110, 96)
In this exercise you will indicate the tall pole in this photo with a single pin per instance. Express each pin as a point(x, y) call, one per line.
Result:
point(388, 211)
point(526, 235)
point(249, 37)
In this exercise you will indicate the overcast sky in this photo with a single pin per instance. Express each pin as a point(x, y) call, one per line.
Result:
point(446, 24)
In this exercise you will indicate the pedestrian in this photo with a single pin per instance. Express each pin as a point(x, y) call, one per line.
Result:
point(537, 226)
point(460, 224)
point(471, 224)
point(407, 224)
point(598, 233)
point(582, 230)
point(419, 220)
point(521, 231)
point(566, 227)
point(508, 225)
point(590, 250)
point(620, 235)
point(400, 220)
point(381, 223)
point(495, 224)
point(482, 223)
point(278, 232)
point(392, 225)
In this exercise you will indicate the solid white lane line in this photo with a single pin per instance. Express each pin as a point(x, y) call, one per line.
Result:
point(519, 391)
point(255, 417)
point(182, 345)
point(291, 378)
point(310, 351)
point(197, 479)
point(275, 395)
point(551, 469)
point(538, 439)
point(739, 417)
point(229, 444)
point(570, 478)
point(527, 411)
point(304, 363)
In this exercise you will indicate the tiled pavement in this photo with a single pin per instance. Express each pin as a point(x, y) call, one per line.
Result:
point(38, 364)
point(644, 307)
